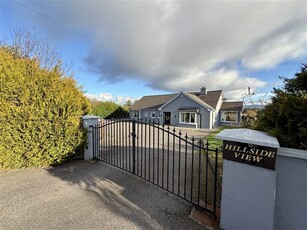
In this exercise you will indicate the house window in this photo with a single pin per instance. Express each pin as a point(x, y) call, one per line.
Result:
point(229, 116)
point(136, 113)
point(153, 114)
point(146, 114)
point(187, 118)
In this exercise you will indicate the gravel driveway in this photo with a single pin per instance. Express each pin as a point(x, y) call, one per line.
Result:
point(80, 195)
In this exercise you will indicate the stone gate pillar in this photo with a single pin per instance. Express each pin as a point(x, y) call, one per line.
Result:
point(249, 179)
point(89, 120)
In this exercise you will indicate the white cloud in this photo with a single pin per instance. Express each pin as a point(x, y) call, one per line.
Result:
point(101, 96)
point(284, 47)
point(121, 100)
point(182, 45)
point(229, 81)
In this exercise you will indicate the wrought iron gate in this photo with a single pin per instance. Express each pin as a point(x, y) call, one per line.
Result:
point(181, 165)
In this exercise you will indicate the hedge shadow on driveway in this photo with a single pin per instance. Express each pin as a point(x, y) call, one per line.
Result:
point(120, 199)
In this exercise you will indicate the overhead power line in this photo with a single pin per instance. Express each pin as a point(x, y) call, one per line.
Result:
point(115, 52)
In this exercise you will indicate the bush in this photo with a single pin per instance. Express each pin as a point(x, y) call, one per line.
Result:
point(249, 118)
point(108, 109)
point(120, 112)
point(40, 115)
point(286, 116)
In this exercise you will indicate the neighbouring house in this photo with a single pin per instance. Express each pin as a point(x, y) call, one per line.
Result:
point(203, 109)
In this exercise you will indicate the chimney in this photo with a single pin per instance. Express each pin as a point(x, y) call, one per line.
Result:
point(203, 90)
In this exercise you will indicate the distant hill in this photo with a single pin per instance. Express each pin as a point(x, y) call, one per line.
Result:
point(251, 106)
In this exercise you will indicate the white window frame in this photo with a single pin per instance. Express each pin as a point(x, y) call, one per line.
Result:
point(181, 115)
point(223, 112)
point(145, 114)
point(153, 114)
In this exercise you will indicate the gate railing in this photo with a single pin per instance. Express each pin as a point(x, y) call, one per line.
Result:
point(184, 166)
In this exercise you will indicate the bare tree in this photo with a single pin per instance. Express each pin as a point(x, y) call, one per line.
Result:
point(249, 98)
point(26, 44)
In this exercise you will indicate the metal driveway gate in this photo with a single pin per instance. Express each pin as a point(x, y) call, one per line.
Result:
point(181, 165)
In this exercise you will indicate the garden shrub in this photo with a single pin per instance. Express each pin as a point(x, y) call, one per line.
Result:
point(249, 118)
point(119, 113)
point(286, 116)
point(109, 110)
point(40, 113)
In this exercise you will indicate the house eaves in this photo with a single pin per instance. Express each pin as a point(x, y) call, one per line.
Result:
point(192, 98)
point(152, 102)
point(199, 101)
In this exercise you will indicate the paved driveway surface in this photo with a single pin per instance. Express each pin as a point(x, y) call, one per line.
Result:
point(197, 133)
point(80, 195)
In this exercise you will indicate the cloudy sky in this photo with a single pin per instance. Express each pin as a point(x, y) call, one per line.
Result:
point(126, 49)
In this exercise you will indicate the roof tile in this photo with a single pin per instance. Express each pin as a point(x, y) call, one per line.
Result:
point(232, 106)
point(152, 102)
point(209, 100)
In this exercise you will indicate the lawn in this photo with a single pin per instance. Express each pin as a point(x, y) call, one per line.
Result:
point(213, 144)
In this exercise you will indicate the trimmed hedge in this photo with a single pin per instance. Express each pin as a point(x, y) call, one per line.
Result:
point(109, 110)
point(40, 114)
point(120, 112)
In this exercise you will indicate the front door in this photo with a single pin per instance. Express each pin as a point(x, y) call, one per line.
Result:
point(167, 118)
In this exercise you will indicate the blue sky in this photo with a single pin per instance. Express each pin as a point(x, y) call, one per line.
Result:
point(126, 49)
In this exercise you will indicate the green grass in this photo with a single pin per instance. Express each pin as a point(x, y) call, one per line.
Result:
point(214, 142)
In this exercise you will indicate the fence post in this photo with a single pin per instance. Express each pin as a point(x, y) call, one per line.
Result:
point(133, 146)
point(249, 179)
point(88, 121)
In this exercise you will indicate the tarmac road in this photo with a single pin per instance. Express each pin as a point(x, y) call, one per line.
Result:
point(80, 195)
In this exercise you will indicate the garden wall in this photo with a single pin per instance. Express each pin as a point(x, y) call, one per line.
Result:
point(291, 189)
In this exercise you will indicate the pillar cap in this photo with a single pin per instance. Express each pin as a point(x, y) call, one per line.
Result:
point(88, 117)
point(248, 136)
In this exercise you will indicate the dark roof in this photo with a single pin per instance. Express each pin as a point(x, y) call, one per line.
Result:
point(232, 106)
point(156, 101)
point(152, 102)
point(211, 98)
point(198, 100)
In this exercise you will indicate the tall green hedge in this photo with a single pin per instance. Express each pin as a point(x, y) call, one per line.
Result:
point(40, 113)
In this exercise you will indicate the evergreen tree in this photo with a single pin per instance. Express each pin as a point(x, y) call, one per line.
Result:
point(286, 116)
